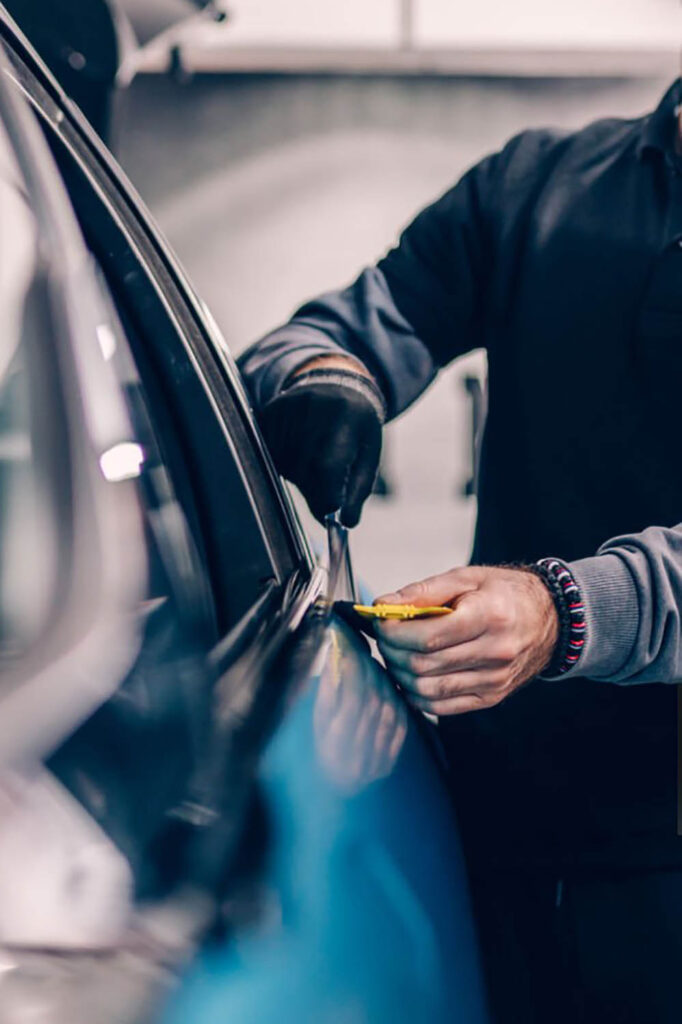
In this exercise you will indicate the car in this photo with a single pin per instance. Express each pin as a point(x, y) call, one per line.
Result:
point(215, 804)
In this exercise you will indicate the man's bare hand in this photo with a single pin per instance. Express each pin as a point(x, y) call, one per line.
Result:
point(502, 632)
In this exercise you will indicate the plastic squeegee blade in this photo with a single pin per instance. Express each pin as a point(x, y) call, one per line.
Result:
point(399, 611)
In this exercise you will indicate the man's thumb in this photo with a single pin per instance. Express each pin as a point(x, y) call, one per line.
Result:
point(442, 589)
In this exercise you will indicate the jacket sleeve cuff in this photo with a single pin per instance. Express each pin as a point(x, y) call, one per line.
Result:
point(345, 378)
point(611, 615)
point(267, 366)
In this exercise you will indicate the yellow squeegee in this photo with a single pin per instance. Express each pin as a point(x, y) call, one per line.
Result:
point(399, 612)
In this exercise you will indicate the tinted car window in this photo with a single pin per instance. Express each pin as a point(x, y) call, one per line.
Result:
point(230, 496)
point(96, 562)
point(72, 565)
point(29, 543)
point(117, 762)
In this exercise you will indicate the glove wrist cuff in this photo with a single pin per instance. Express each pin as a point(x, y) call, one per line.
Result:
point(338, 377)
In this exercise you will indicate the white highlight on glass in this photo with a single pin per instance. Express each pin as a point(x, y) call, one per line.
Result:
point(123, 461)
point(107, 340)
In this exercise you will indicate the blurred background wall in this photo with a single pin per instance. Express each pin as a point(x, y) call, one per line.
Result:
point(283, 149)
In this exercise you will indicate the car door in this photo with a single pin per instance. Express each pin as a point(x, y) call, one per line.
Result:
point(314, 813)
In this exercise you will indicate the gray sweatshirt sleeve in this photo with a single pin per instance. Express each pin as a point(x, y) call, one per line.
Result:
point(632, 590)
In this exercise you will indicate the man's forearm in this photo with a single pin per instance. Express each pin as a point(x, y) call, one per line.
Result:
point(632, 590)
point(361, 322)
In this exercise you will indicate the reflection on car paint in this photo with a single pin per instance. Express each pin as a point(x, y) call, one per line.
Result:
point(359, 726)
point(362, 870)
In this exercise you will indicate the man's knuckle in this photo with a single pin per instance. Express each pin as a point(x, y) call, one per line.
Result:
point(418, 664)
point(426, 687)
point(422, 685)
point(506, 650)
point(444, 687)
point(432, 643)
point(499, 613)
point(417, 590)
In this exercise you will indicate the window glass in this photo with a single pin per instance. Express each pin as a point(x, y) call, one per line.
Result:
point(28, 529)
point(231, 500)
point(175, 561)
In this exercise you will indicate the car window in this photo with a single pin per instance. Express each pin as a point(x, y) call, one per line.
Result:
point(72, 560)
point(105, 620)
point(232, 501)
point(29, 541)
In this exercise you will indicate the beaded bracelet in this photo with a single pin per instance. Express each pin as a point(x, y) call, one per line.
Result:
point(570, 608)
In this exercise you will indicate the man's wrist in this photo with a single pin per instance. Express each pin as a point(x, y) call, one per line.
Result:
point(339, 372)
point(570, 609)
point(331, 362)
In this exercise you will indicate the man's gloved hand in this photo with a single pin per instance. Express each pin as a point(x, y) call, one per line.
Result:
point(324, 434)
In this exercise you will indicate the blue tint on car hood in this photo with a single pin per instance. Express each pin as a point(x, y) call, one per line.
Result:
point(366, 916)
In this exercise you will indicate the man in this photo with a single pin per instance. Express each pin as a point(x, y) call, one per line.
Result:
point(562, 254)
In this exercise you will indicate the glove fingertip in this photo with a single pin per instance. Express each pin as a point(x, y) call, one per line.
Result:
point(350, 517)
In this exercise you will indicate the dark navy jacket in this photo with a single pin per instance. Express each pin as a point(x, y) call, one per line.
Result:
point(562, 256)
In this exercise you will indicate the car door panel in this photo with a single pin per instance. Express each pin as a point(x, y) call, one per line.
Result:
point(363, 898)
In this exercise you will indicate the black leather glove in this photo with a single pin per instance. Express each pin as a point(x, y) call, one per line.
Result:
point(324, 434)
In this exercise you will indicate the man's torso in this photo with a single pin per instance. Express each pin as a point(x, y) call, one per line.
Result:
point(584, 336)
